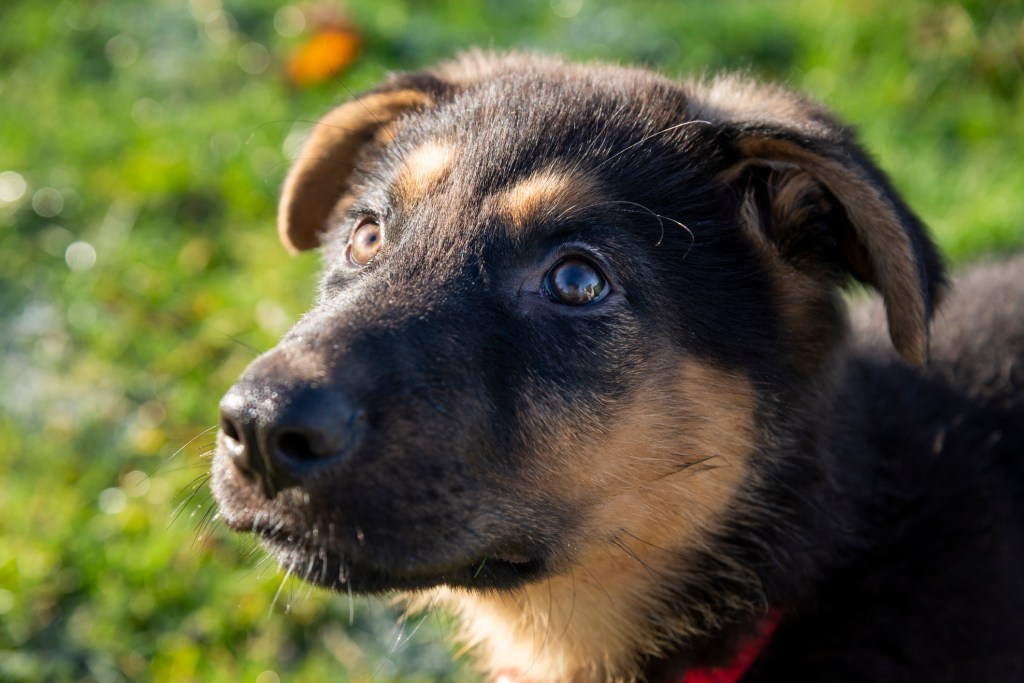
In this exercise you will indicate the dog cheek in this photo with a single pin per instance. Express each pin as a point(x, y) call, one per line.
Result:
point(642, 494)
point(676, 451)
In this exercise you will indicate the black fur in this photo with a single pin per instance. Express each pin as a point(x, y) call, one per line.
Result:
point(397, 436)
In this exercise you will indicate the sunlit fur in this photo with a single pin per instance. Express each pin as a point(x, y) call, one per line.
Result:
point(623, 491)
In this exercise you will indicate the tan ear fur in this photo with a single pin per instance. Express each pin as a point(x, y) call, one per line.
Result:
point(884, 254)
point(319, 176)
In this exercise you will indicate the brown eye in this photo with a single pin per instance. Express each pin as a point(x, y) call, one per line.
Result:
point(365, 242)
point(575, 282)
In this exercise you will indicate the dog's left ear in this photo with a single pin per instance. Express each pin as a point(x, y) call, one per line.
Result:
point(816, 185)
point(320, 175)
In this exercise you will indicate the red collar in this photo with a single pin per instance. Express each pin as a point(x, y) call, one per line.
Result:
point(750, 650)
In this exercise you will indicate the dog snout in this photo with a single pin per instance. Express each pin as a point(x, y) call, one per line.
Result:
point(277, 433)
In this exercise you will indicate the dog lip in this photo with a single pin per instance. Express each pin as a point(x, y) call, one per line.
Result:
point(498, 569)
point(511, 557)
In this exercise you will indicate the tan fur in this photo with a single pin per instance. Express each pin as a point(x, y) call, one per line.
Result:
point(318, 179)
point(545, 195)
point(424, 169)
point(733, 98)
point(385, 135)
point(645, 512)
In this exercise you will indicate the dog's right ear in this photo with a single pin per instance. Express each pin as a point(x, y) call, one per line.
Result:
point(320, 175)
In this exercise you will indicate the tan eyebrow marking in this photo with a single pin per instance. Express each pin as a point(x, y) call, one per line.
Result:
point(546, 194)
point(423, 170)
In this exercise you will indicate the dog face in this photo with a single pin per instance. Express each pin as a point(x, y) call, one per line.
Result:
point(570, 318)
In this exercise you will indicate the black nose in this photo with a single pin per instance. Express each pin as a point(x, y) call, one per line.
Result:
point(278, 432)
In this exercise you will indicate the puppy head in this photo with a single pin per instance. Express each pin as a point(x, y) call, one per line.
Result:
point(560, 308)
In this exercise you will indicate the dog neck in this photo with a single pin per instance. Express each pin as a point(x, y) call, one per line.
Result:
point(542, 633)
point(747, 653)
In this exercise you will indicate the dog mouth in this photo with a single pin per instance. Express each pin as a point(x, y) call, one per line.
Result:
point(500, 567)
point(345, 542)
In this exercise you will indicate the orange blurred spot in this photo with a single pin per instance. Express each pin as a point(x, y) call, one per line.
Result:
point(327, 53)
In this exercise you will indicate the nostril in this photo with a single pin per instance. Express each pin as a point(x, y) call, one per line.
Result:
point(228, 428)
point(235, 446)
point(296, 446)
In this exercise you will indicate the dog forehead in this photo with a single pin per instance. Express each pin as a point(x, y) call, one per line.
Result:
point(527, 149)
point(529, 197)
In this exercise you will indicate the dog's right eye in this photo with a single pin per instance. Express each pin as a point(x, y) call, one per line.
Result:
point(365, 242)
point(575, 282)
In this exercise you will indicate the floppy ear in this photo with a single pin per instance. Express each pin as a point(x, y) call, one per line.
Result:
point(827, 209)
point(320, 175)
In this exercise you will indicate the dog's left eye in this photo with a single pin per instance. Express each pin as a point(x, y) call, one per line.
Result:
point(365, 242)
point(575, 282)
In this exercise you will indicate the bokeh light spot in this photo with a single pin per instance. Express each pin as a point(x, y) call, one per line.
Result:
point(152, 413)
point(47, 202)
point(271, 317)
point(289, 21)
point(136, 483)
point(254, 58)
point(80, 256)
point(220, 27)
point(203, 10)
point(12, 186)
point(147, 112)
point(122, 51)
point(112, 501)
point(566, 8)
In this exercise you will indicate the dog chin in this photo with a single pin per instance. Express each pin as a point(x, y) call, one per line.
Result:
point(341, 570)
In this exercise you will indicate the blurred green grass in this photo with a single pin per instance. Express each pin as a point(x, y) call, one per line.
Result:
point(141, 148)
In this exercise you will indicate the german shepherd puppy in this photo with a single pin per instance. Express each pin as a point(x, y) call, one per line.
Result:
point(580, 368)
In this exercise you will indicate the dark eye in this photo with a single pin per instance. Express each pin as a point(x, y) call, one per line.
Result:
point(365, 242)
point(575, 282)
